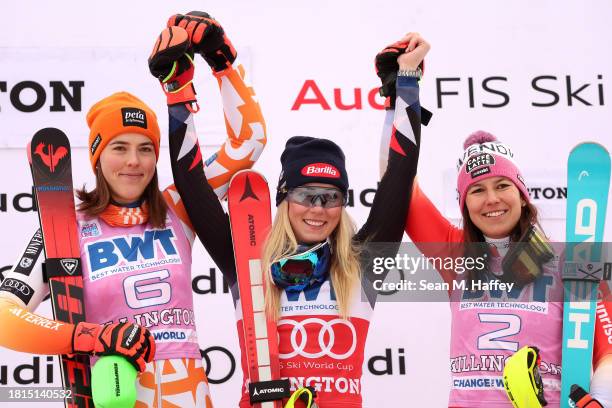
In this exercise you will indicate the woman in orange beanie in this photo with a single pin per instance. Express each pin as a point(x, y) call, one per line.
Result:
point(136, 244)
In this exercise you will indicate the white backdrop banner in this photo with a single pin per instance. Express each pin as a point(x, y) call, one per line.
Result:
point(536, 74)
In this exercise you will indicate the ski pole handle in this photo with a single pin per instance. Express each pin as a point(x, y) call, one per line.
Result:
point(306, 394)
point(583, 399)
point(113, 382)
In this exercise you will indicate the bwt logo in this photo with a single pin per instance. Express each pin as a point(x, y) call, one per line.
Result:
point(104, 254)
point(60, 95)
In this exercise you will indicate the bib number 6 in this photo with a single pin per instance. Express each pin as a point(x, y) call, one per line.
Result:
point(155, 291)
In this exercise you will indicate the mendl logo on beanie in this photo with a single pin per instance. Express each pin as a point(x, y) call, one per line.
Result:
point(320, 170)
point(134, 117)
point(494, 148)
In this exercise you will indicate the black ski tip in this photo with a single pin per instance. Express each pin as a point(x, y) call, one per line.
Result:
point(49, 135)
point(50, 152)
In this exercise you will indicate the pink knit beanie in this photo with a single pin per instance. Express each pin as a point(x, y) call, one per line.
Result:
point(485, 157)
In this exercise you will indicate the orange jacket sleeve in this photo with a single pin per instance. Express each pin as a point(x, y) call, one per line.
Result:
point(24, 331)
point(246, 138)
point(22, 290)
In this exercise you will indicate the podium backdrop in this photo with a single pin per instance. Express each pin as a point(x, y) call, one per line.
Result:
point(536, 74)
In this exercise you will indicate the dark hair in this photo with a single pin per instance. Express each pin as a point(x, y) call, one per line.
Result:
point(95, 201)
point(474, 241)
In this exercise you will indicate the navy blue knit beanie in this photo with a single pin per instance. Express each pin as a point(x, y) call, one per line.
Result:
point(310, 160)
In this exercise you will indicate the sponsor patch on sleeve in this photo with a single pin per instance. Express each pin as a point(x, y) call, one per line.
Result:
point(18, 288)
point(30, 255)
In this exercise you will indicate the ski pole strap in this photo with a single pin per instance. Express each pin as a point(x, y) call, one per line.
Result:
point(264, 391)
point(583, 399)
point(62, 267)
point(306, 395)
point(586, 271)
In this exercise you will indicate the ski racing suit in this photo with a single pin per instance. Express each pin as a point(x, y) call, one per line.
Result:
point(488, 326)
point(334, 366)
point(141, 274)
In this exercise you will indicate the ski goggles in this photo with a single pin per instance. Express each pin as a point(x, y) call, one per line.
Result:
point(326, 197)
point(296, 271)
point(522, 380)
point(523, 262)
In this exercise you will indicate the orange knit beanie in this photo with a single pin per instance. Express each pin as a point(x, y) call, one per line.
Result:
point(114, 115)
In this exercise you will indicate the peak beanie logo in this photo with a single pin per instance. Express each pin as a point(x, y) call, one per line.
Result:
point(118, 114)
point(484, 157)
point(320, 170)
point(134, 117)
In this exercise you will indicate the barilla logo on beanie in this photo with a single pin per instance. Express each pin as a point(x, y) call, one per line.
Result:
point(320, 170)
point(96, 143)
point(134, 117)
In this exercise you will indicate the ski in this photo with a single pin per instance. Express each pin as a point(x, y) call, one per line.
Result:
point(588, 182)
point(250, 219)
point(50, 160)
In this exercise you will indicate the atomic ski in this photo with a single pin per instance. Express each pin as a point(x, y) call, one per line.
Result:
point(249, 210)
point(588, 182)
point(51, 171)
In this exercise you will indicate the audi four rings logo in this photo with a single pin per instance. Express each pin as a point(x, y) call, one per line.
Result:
point(326, 338)
point(19, 286)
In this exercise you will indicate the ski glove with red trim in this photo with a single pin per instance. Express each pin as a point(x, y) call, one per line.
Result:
point(128, 340)
point(386, 68)
point(207, 38)
point(583, 399)
point(171, 61)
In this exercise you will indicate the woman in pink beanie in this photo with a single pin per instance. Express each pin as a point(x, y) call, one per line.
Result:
point(490, 324)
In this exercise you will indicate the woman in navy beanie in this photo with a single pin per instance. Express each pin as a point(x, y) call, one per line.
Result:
point(319, 285)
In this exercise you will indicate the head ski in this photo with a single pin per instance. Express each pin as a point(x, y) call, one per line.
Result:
point(588, 182)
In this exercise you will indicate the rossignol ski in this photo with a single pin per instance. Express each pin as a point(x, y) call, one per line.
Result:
point(51, 171)
point(250, 218)
point(588, 182)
